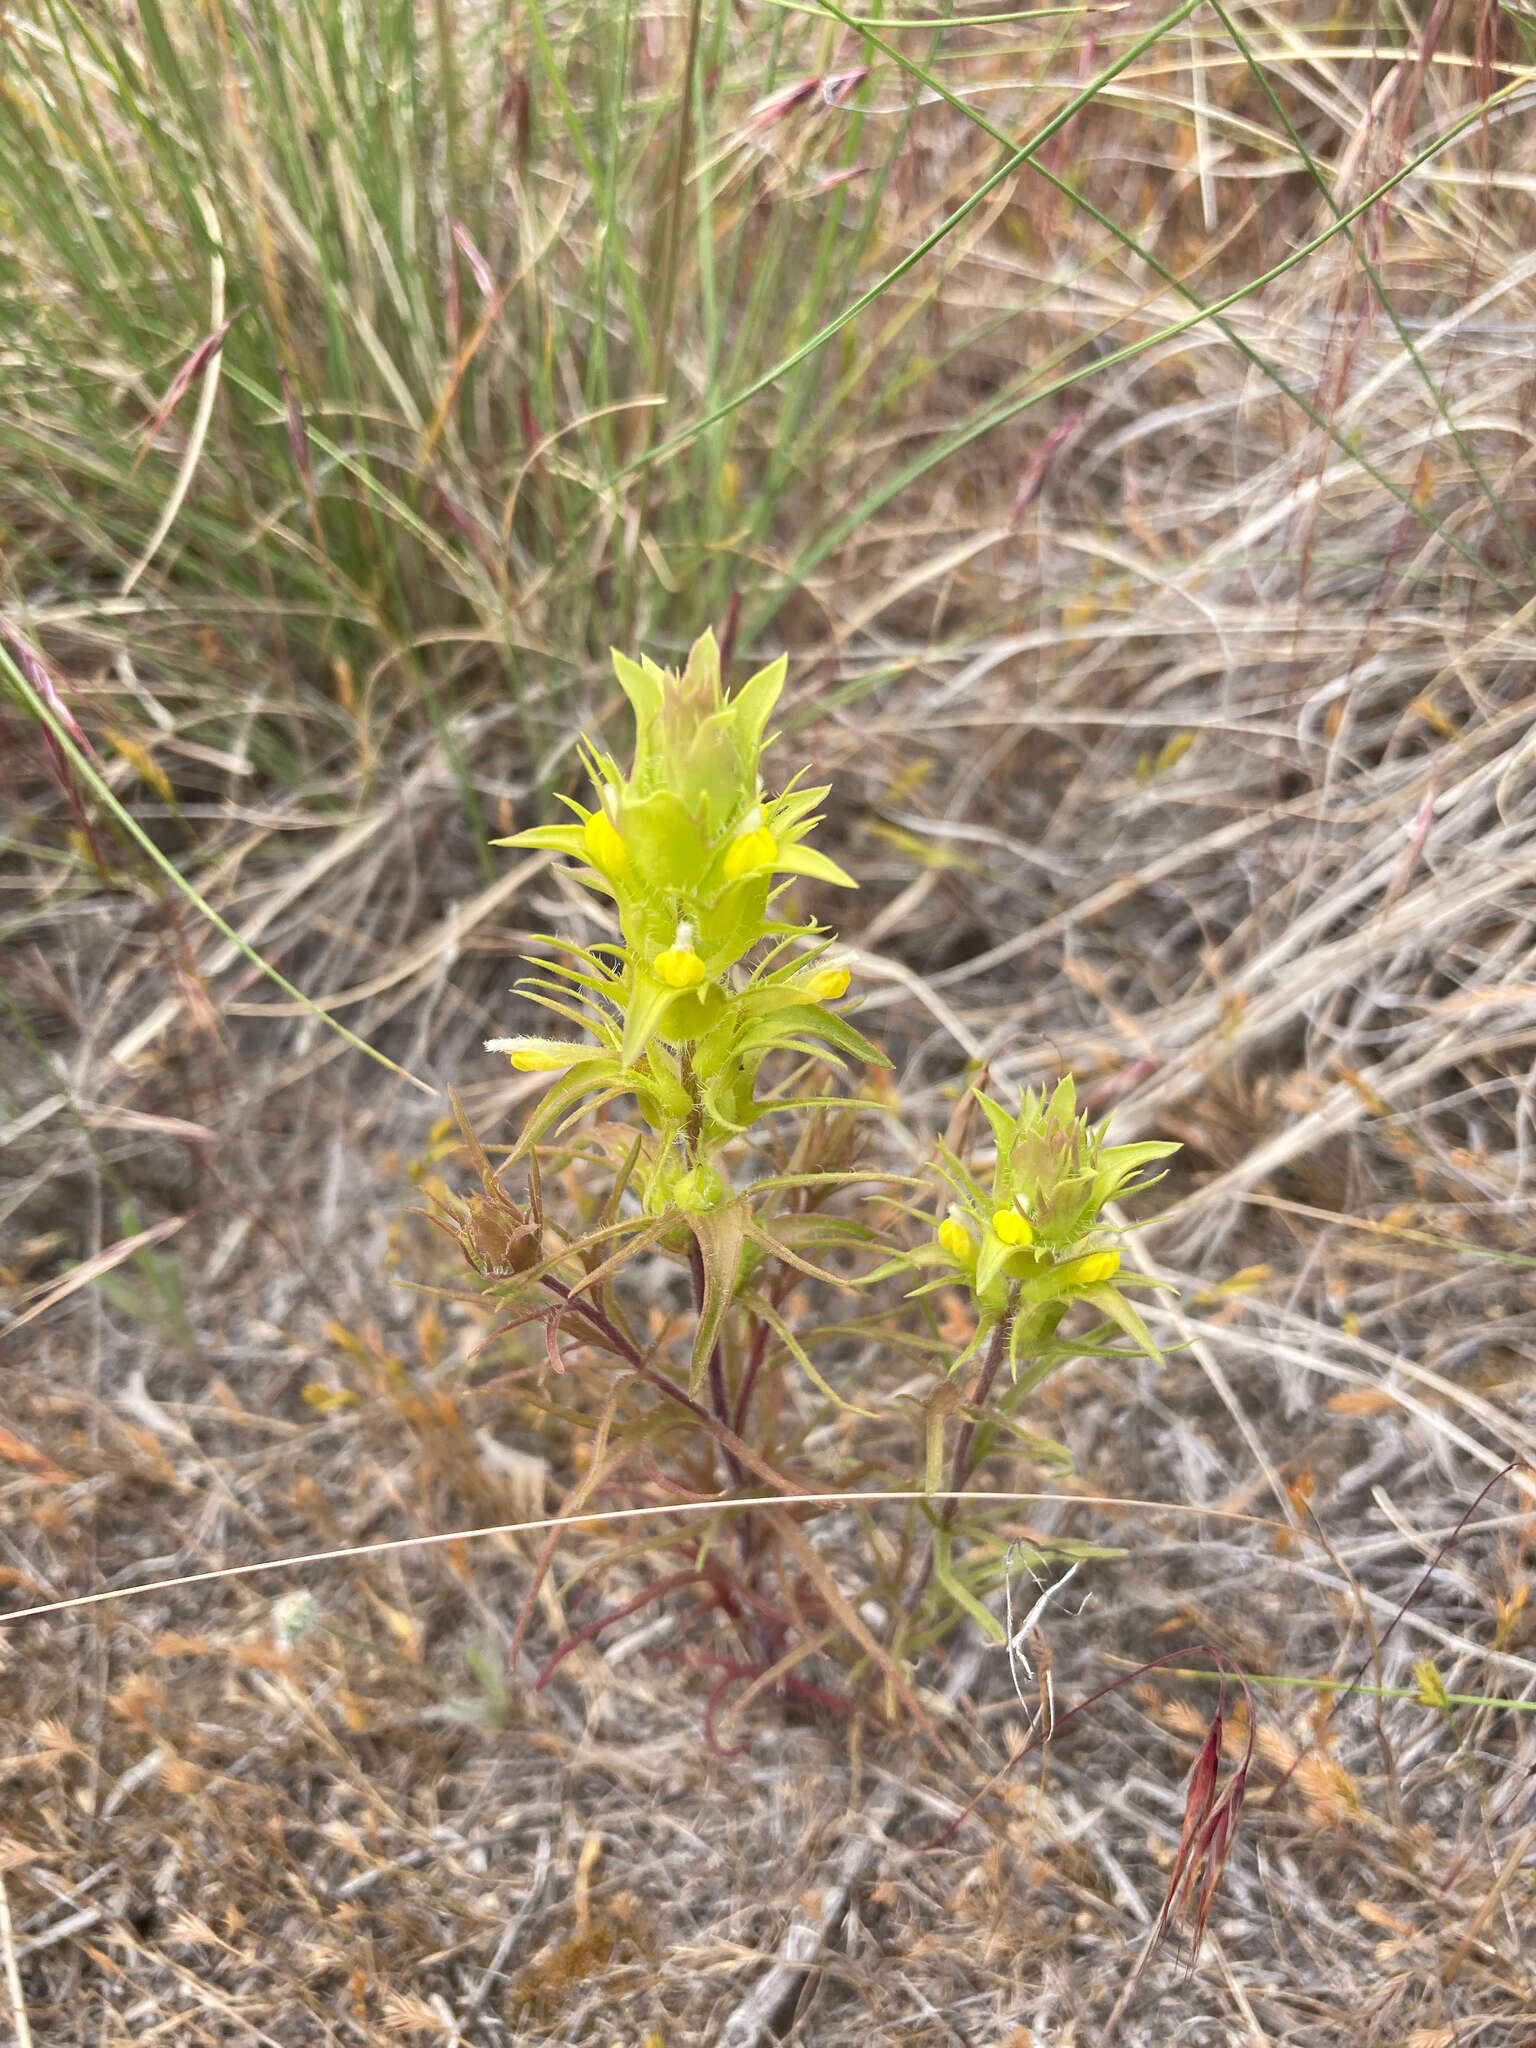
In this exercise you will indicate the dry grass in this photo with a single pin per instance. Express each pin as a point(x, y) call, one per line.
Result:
point(1170, 744)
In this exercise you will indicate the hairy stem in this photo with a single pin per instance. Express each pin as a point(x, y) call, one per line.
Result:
point(693, 1130)
point(960, 1471)
point(960, 1467)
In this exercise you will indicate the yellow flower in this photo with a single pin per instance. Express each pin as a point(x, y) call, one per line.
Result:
point(1013, 1228)
point(749, 851)
point(532, 1055)
point(679, 967)
point(827, 984)
point(1090, 1271)
point(604, 846)
point(955, 1238)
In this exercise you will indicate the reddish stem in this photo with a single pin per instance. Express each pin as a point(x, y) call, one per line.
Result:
point(792, 1686)
point(595, 1628)
point(960, 1470)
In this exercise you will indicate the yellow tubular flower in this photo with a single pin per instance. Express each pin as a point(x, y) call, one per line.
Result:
point(679, 967)
point(1093, 1269)
point(530, 1058)
point(827, 984)
point(955, 1238)
point(749, 852)
point(604, 846)
point(1013, 1228)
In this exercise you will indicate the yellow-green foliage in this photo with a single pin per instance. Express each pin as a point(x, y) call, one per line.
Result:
point(695, 856)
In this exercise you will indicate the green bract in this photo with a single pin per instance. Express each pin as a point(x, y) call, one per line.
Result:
point(693, 854)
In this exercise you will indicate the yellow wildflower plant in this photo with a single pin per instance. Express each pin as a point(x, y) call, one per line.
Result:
point(701, 1015)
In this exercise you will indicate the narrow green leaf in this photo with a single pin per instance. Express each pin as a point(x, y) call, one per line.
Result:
point(960, 1593)
point(762, 1307)
point(721, 1235)
point(1112, 1303)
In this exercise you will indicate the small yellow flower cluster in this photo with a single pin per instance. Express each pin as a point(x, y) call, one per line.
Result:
point(1013, 1229)
point(708, 982)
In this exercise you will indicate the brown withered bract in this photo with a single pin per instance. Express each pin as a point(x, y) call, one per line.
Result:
point(497, 1238)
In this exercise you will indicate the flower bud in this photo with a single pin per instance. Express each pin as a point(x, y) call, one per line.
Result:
point(827, 984)
point(532, 1055)
point(699, 1190)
